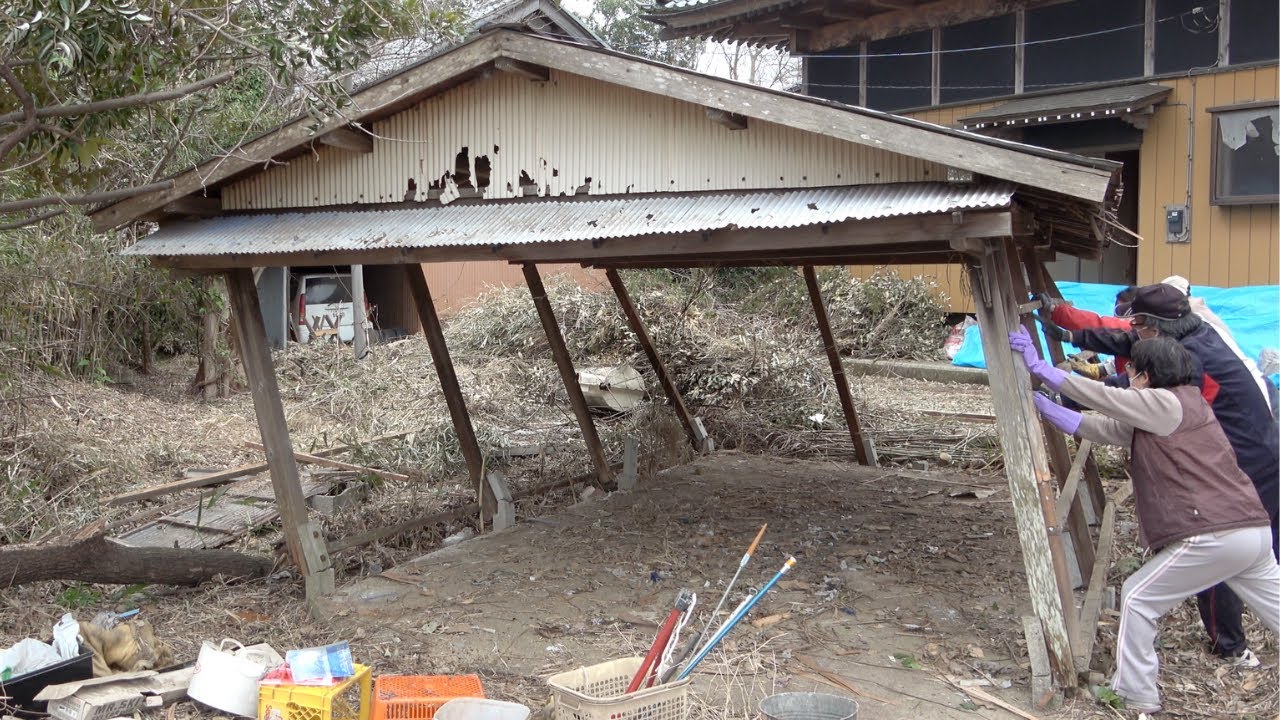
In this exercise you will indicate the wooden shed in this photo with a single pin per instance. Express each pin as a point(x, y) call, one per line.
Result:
point(534, 151)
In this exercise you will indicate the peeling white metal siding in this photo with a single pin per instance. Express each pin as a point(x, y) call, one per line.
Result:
point(562, 132)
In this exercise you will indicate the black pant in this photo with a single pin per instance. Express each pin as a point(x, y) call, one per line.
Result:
point(1220, 608)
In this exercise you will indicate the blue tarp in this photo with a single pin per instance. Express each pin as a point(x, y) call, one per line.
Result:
point(1252, 314)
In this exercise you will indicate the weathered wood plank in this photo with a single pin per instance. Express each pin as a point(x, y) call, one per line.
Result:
point(1026, 463)
point(943, 13)
point(655, 361)
point(336, 464)
point(1087, 629)
point(453, 397)
point(837, 366)
point(1066, 498)
point(567, 375)
point(302, 537)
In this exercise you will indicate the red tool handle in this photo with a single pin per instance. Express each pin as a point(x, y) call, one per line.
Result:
point(660, 642)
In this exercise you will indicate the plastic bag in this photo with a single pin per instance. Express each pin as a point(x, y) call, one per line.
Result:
point(66, 637)
point(321, 664)
point(27, 656)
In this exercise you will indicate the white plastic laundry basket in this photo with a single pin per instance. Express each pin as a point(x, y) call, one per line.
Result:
point(481, 709)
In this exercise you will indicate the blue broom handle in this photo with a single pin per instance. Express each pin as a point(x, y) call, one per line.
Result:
point(737, 617)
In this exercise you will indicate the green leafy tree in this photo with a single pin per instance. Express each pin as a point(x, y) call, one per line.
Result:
point(96, 95)
point(620, 24)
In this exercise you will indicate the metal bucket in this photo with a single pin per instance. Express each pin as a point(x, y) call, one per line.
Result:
point(808, 706)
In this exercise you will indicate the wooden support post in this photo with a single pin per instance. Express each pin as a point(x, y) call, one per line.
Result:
point(655, 362)
point(837, 367)
point(303, 538)
point(1093, 495)
point(359, 323)
point(1087, 630)
point(630, 473)
point(1026, 463)
point(567, 375)
point(452, 392)
point(1059, 455)
point(1042, 689)
point(505, 516)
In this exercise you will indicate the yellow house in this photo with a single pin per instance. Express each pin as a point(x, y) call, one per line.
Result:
point(1183, 93)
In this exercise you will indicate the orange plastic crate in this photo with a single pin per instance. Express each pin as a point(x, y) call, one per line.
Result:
point(417, 697)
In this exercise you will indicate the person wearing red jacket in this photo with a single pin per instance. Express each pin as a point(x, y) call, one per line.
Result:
point(1069, 317)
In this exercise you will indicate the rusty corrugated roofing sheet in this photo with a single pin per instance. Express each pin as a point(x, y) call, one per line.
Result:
point(558, 220)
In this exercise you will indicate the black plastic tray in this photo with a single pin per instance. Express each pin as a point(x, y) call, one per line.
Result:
point(22, 688)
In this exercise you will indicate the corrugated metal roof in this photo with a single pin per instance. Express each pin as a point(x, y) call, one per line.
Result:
point(552, 220)
point(1062, 106)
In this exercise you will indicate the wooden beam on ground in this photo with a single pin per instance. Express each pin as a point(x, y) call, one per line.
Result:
point(567, 375)
point(860, 448)
point(1026, 463)
point(1087, 629)
point(528, 71)
point(655, 361)
point(337, 464)
point(1055, 441)
point(352, 140)
point(458, 413)
point(305, 543)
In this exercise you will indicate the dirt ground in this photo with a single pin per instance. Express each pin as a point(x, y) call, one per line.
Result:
point(903, 578)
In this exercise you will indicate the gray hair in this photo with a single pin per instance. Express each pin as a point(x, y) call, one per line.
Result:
point(1176, 329)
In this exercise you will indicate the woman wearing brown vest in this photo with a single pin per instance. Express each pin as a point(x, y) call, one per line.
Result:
point(1197, 511)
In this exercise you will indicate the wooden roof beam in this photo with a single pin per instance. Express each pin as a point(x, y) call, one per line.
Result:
point(940, 13)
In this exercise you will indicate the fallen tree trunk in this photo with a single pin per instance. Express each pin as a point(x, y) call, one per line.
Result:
point(100, 559)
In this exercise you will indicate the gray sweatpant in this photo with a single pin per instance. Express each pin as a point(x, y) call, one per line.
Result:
point(1242, 558)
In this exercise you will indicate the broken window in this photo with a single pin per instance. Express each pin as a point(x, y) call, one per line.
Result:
point(1246, 155)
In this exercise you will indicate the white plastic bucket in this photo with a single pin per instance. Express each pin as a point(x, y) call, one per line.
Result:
point(481, 709)
point(227, 681)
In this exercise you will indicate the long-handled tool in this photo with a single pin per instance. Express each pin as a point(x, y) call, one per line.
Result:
point(735, 619)
point(660, 642)
point(746, 558)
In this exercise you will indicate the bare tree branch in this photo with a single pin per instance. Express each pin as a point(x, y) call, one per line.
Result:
point(86, 199)
point(119, 103)
point(31, 220)
point(27, 114)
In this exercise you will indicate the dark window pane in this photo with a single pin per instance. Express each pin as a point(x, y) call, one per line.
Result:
point(1099, 50)
point(1186, 35)
point(326, 291)
point(903, 79)
point(970, 74)
point(835, 78)
point(1246, 160)
point(1255, 30)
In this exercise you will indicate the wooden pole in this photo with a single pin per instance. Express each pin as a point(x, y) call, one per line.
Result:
point(360, 340)
point(305, 542)
point(567, 375)
point(1094, 493)
point(655, 362)
point(1026, 464)
point(837, 367)
point(1055, 441)
point(452, 392)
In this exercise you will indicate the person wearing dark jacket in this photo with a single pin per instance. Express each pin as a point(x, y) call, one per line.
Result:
point(1239, 405)
point(1196, 509)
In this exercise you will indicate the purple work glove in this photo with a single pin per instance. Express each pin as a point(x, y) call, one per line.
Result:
point(1065, 419)
point(1021, 342)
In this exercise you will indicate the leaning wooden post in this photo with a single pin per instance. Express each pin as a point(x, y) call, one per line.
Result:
point(860, 443)
point(1026, 464)
point(452, 391)
point(1056, 443)
point(303, 537)
point(567, 374)
point(655, 362)
point(1042, 281)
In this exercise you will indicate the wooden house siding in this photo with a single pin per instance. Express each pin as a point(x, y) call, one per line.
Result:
point(1230, 245)
point(623, 140)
